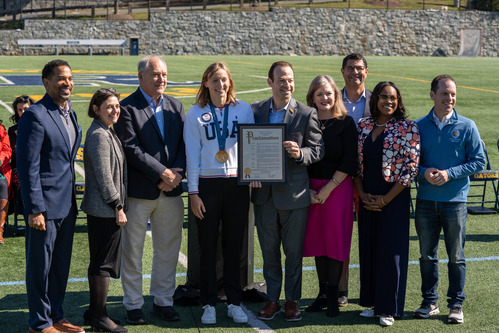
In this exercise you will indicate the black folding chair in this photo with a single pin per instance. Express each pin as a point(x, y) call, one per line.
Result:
point(480, 179)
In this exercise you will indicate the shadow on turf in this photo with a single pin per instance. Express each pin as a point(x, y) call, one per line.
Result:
point(484, 238)
point(14, 314)
point(350, 316)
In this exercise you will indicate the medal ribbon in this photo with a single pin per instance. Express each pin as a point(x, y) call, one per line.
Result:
point(221, 133)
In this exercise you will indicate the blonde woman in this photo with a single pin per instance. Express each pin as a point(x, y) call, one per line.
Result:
point(330, 216)
point(210, 135)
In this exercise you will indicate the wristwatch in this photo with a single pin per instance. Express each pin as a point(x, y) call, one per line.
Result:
point(118, 207)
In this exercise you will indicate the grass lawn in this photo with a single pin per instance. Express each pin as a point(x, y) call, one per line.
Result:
point(478, 96)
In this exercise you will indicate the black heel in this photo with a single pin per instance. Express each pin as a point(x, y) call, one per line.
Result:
point(99, 326)
point(87, 317)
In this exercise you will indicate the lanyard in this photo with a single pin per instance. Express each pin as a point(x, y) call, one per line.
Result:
point(221, 133)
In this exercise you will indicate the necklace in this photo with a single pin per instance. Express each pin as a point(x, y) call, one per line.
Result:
point(324, 123)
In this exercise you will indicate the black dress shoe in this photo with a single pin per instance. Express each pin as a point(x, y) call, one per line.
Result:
point(87, 316)
point(99, 326)
point(166, 313)
point(135, 317)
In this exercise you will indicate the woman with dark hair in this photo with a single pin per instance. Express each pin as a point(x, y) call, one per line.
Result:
point(210, 135)
point(105, 203)
point(20, 104)
point(330, 216)
point(388, 149)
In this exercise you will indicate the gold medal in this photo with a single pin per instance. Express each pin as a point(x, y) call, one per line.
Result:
point(222, 156)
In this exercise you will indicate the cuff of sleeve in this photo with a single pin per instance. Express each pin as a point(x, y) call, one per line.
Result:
point(421, 172)
point(114, 204)
point(301, 158)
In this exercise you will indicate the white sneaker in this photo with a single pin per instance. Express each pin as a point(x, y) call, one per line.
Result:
point(209, 316)
point(426, 310)
point(237, 314)
point(386, 321)
point(455, 315)
point(367, 313)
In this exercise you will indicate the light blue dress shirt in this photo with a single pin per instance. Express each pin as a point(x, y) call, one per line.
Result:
point(355, 110)
point(157, 110)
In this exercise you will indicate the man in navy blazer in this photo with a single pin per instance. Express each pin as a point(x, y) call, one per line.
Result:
point(151, 130)
point(281, 210)
point(47, 141)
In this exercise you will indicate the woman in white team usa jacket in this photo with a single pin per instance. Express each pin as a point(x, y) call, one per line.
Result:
point(210, 135)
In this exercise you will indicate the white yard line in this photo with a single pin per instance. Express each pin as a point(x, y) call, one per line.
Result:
point(80, 170)
point(255, 323)
point(7, 81)
point(182, 258)
point(252, 91)
point(5, 105)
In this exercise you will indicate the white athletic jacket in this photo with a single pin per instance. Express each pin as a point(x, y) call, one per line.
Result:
point(201, 143)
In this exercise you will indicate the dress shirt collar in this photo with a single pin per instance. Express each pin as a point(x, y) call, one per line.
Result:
point(445, 120)
point(150, 101)
point(362, 96)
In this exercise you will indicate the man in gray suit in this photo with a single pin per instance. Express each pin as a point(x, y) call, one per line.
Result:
point(151, 130)
point(281, 210)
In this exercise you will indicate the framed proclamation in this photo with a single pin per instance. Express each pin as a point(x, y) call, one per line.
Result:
point(261, 155)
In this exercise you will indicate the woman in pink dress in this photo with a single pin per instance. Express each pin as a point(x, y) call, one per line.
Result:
point(330, 216)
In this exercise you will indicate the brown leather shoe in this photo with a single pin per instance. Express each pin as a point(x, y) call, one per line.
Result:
point(291, 311)
point(66, 327)
point(50, 329)
point(269, 311)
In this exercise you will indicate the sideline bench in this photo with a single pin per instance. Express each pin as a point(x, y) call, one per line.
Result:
point(58, 44)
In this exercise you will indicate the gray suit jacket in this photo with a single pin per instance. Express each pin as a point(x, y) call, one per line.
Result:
point(105, 171)
point(303, 126)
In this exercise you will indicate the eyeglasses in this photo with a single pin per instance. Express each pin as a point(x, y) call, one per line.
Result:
point(352, 68)
point(385, 98)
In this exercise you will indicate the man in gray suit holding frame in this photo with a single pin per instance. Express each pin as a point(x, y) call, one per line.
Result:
point(281, 210)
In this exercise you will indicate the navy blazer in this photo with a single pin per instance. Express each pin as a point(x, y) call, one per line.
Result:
point(147, 153)
point(45, 160)
point(303, 127)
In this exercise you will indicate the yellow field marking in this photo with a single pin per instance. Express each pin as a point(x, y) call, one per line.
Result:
point(36, 98)
point(479, 89)
point(338, 71)
point(402, 78)
point(78, 71)
point(425, 81)
point(84, 95)
point(190, 91)
point(182, 91)
point(20, 71)
point(84, 71)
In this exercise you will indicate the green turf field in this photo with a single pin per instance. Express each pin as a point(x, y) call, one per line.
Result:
point(478, 97)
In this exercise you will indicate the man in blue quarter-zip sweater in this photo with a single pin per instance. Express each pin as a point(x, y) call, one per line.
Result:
point(451, 151)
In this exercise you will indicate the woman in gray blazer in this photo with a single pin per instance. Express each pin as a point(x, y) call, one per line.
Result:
point(105, 204)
